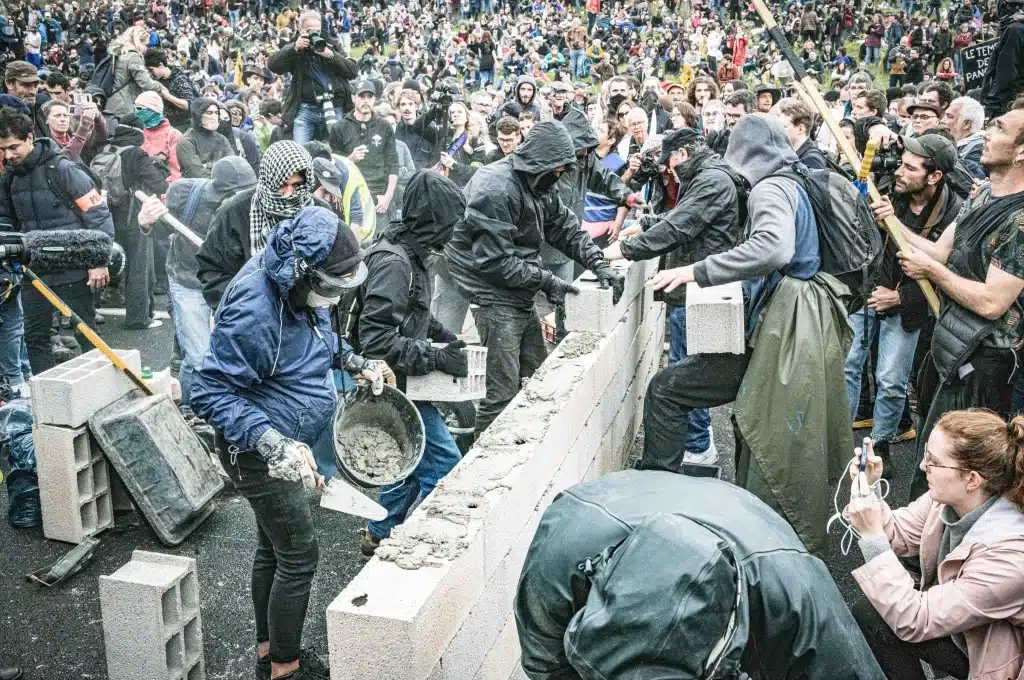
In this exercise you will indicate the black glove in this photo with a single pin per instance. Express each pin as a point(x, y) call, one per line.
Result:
point(607, 275)
point(445, 335)
point(355, 364)
point(452, 360)
point(555, 288)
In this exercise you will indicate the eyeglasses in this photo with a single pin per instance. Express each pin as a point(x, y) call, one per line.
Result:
point(929, 462)
point(924, 116)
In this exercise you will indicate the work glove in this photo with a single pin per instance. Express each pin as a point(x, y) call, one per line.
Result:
point(452, 360)
point(445, 336)
point(377, 373)
point(288, 459)
point(608, 276)
point(555, 288)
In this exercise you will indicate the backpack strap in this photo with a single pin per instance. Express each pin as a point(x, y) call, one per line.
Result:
point(56, 184)
point(193, 202)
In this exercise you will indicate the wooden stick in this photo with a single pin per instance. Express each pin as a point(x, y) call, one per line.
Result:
point(174, 223)
point(810, 91)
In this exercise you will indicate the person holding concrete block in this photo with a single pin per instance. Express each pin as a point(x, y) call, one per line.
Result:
point(267, 385)
point(656, 575)
point(495, 262)
point(704, 221)
point(789, 387)
point(392, 321)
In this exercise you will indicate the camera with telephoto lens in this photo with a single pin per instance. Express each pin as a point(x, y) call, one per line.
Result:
point(648, 169)
point(317, 42)
point(327, 102)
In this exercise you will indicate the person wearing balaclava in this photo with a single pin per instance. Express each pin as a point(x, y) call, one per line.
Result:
point(242, 224)
point(1004, 79)
point(139, 172)
point(266, 385)
point(494, 257)
point(161, 139)
point(392, 321)
point(704, 221)
point(203, 145)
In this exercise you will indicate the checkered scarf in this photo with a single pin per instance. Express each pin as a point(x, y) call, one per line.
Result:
point(269, 207)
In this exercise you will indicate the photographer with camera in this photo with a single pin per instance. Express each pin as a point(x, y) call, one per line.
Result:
point(896, 310)
point(320, 73)
point(704, 221)
point(369, 141)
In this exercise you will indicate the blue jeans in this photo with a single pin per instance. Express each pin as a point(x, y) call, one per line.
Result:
point(308, 118)
point(484, 77)
point(439, 457)
point(13, 352)
point(191, 328)
point(871, 54)
point(576, 59)
point(233, 14)
point(698, 436)
point(896, 350)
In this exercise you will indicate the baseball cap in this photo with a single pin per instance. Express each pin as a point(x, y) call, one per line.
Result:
point(561, 86)
point(937, 148)
point(363, 85)
point(21, 72)
point(675, 140)
point(330, 175)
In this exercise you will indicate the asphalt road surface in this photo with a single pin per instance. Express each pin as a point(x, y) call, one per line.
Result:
point(56, 634)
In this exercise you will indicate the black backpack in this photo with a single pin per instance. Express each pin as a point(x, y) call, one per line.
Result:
point(105, 75)
point(848, 236)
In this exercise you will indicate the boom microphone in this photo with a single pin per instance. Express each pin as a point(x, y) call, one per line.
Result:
point(59, 250)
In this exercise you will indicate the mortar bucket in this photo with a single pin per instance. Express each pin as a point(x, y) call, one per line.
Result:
point(389, 415)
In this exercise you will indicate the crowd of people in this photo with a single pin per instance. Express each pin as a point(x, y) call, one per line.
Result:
point(364, 176)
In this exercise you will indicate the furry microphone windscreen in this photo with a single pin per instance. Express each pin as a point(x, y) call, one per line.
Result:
point(54, 251)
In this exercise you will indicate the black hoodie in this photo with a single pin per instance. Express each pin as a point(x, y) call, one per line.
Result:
point(200, 148)
point(588, 173)
point(392, 313)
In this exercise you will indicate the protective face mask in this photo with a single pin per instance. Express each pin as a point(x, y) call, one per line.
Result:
point(314, 300)
point(211, 125)
point(546, 181)
point(149, 117)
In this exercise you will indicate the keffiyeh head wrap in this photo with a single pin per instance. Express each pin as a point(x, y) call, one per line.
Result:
point(282, 160)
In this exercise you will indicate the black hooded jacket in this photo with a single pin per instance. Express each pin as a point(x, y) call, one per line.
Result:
point(704, 221)
point(587, 174)
point(582, 613)
point(391, 317)
point(1004, 77)
point(494, 254)
point(339, 70)
point(199, 148)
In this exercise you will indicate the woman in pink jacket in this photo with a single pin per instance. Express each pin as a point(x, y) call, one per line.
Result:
point(966, 617)
point(161, 140)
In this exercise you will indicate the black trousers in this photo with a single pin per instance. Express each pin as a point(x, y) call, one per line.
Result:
point(698, 381)
point(901, 660)
point(39, 320)
point(989, 385)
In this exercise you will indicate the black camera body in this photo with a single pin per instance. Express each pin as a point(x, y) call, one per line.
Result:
point(648, 169)
point(317, 42)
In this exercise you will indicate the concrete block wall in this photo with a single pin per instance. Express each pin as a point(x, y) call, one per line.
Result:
point(438, 386)
point(74, 483)
point(68, 394)
point(151, 622)
point(592, 309)
point(439, 594)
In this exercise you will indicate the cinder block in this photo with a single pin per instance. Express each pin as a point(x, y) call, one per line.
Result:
point(592, 309)
point(151, 622)
point(71, 392)
point(714, 319)
point(74, 483)
point(438, 386)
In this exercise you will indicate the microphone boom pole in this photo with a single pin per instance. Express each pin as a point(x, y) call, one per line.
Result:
point(82, 328)
point(810, 90)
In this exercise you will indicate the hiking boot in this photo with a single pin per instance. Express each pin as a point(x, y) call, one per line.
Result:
point(23, 510)
point(905, 435)
point(368, 544)
point(863, 423)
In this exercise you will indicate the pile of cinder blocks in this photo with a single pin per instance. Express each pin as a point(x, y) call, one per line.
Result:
point(74, 480)
point(451, 618)
point(438, 386)
point(151, 623)
point(714, 319)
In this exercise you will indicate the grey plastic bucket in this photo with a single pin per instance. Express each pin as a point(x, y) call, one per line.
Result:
point(392, 413)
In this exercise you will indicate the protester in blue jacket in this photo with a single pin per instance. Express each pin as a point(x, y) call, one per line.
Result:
point(266, 384)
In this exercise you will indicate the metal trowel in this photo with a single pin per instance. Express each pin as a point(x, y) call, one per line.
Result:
point(343, 497)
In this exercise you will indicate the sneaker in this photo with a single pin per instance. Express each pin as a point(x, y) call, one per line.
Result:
point(863, 423)
point(368, 544)
point(23, 511)
point(100, 320)
point(153, 323)
point(709, 456)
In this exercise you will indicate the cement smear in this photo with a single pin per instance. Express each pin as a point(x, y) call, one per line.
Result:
point(372, 453)
point(579, 345)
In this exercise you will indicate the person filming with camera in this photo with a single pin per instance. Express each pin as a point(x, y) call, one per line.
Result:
point(320, 73)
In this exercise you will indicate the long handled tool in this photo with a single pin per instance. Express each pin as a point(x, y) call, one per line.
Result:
point(82, 328)
point(810, 88)
point(174, 223)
